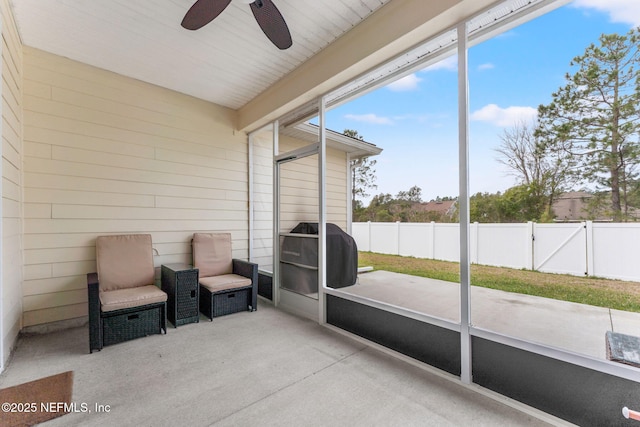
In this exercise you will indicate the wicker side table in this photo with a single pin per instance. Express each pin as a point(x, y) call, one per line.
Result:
point(180, 282)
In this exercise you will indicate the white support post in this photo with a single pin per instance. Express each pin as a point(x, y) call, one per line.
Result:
point(349, 196)
point(475, 232)
point(463, 158)
point(275, 281)
point(322, 213)
point(397, 237)
point(251, 195)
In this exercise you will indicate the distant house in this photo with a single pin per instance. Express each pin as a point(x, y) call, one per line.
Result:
point(445, 208)
point(572, 206)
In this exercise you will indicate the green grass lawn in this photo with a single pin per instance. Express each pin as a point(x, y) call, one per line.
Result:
point(615, 294)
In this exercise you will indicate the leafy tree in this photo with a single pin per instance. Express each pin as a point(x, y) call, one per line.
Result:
point(523, 203)
point(414, 195)
point(363, 174)
point(378, 210)
point(405, 207)
point(594, 117)
point(633, 196)
point(545, 174)
point(485, 207)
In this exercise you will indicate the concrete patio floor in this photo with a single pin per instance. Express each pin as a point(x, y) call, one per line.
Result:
point(265, 368)
point(569, 326)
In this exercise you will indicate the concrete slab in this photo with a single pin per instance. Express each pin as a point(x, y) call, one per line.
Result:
point(575, 327)
point(266, 368)
point(435, 297)
point(625, 322)
point(368, 388)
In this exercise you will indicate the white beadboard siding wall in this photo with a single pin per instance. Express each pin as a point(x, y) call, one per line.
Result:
point(11, 182)
point(106, 154)
point(299, 192)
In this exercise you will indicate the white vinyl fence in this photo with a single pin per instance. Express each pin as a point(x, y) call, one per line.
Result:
point(609, 250)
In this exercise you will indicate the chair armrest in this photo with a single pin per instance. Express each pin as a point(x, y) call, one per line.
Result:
point(249, 270)
point(95, 329)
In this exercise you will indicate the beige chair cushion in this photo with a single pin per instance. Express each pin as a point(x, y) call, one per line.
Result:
point(212, 254)
point(124, 261)
point(224, 282)
point(131, 297)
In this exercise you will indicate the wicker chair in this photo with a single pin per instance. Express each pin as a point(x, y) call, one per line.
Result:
point(124, 303)
point(227, 285)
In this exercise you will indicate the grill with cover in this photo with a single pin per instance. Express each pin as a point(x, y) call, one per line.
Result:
point(299, 259)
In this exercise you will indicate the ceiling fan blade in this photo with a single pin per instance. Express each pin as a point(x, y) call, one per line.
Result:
point(202, 12)
point(272, 23)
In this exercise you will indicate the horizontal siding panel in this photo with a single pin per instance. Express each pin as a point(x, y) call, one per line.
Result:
point(223, 170)
point(11, 229)
point(38, 271)
point(305, 215)
point(198, 159)
point(40, 301)
point(262, 187)
point(10, 209)
point(300, 206)
point(303, 189)
point(100, 185)
point(65, 125)
point(96, 143)
point(73, 197)
point(240, 157)
point(263, 172)
point(73, 268)
point(44, 256)
point(37, 89)
point(55, 285)
point(59, 240)
point(37, 149)
point(58, 167)
point(124, 213)
point(59, 72)
point(173, 258)
point(37, 210)
point(64, 312)
point(10, 190)
point(9, 151)
point(63, 118)
point(37, 226)
point(57, 110)
point(262, 216)
point(10, 172)
point(172, 248)
point(196, 203)
point(115, 106)
point(238, 196)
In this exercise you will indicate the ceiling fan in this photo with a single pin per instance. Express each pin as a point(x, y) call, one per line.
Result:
point(266, 13)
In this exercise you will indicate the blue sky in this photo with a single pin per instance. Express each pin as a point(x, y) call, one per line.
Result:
point(414, 120)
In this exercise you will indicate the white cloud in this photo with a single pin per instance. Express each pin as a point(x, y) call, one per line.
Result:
point(369, 118)
point(450, 64)
point(486, 66)
point(504, 117)
point(405, 84)
point(624, 11)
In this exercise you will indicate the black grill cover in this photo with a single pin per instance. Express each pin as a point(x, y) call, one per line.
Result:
point(299, 253)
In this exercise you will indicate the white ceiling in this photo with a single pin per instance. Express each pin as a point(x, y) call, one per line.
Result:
point(228, 62)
